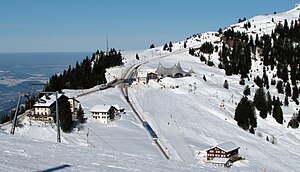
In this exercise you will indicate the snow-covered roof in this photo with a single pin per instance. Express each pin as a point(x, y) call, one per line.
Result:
point(47, 100)
point(142, 74)
point(116, 106)
point(73, 98)
point(172, 71)
point(152, 73)
point(227, 146)
point(100, 108)
point(219, 160)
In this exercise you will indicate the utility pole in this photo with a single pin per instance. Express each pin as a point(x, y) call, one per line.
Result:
point(57, 114)
point(57, 118)
point(14, 123)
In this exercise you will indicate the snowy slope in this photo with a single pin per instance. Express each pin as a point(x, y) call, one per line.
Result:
point(186, 122)
point(22, 154)
point(264, 24)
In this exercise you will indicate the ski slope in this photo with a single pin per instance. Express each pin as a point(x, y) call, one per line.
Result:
point(186, 121)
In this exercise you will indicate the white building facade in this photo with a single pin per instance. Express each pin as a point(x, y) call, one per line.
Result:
point(101, 113)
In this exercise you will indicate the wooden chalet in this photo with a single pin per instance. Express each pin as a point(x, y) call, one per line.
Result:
point(152, 75)
point(224, 150)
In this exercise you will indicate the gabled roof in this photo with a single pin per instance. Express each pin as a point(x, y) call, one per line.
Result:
point(142, 74)
point(154, 73)
point(48, 100)
point(117, 107)
point(219, 160)
point(227, 146)
point(100, 108)
point(172, 71)
point(73, 98)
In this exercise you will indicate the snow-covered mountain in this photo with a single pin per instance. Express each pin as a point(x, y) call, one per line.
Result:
point(188, 114)
point(264, 24)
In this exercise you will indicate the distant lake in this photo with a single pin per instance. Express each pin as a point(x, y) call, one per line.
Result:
point(17, 70)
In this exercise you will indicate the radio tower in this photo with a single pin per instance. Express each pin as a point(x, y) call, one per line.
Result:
point(107, 45)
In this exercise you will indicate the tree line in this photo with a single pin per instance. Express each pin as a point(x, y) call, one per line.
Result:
point(89, 73)
point(281, 49)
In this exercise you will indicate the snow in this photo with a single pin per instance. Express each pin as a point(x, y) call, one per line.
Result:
point(142, 74)
point(184, 112)
point(20, 154)
point(47, 100)
point(219, 160)
point(100, 108)
point(227, 147)
point(264, 24)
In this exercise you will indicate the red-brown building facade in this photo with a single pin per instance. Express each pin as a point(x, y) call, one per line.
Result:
point(224, 150)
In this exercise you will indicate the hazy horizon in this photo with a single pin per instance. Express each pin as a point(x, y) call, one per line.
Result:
point(83, 26)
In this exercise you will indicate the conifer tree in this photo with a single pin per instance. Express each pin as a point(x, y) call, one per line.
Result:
point(170, 44)
point(266, 79)
point(204, 78)
point(225, 85)
point(184, 44)
point(279, 86)
point(165, 47)
point(247, 91)
point(295, 95)
point(277, 112)
point(258, 81)
point(242, 81)
point(269, 103)
point(260, 102)
point(251, 130)
point(293, 123)
point(65, 115)
point(286, 101)
point(252, 116)
point(284, 74)
point(192, 51)
point(241, 115)
point(288, 91)
point(220, 31)
point(152, 46)
point(80, 115)
point(245, 114)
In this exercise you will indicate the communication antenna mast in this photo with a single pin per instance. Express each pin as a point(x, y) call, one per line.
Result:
point(107, 45)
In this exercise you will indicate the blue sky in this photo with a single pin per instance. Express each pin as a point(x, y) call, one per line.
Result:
point(83, 25)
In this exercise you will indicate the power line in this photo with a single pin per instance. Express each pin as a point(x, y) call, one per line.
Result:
point(102, 139)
